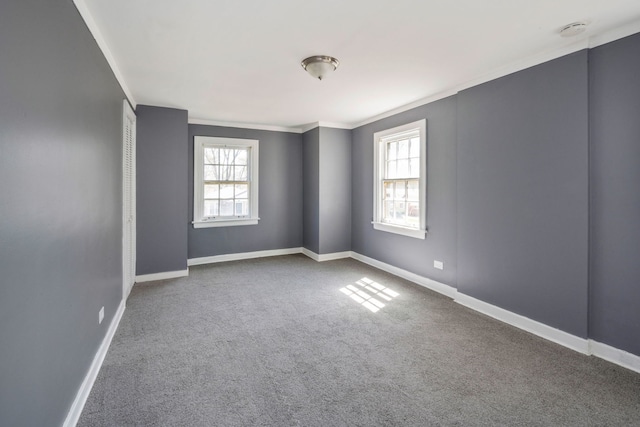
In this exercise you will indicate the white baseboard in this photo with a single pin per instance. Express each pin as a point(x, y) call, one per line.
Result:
point(615, 355)
point(85, 388)
point(557, 336)
point(326, 257)
point(242, 255)
point(581, 345)
point(589, 347)
point(162, 276)
point(441, 288)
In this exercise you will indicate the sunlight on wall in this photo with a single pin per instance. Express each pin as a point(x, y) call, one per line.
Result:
point(367, 299)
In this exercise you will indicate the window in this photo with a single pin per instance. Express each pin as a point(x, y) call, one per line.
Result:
point(400, 180)
point(225, 182)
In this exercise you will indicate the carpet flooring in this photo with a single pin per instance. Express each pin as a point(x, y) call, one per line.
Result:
point(287, 341)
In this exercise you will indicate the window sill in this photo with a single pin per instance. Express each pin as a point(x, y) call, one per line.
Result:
point(225, 223)
point(396, 229)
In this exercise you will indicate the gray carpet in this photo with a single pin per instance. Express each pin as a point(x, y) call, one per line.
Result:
point(276, 342)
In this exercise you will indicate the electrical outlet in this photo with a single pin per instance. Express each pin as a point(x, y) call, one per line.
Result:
point(438, 264)
point(100, 315)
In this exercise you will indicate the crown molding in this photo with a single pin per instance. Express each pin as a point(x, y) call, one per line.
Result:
point(614, 34)
point(104, 47)
point(585, 42)
point(333, 125)
point(516, 66)
point(207, 122)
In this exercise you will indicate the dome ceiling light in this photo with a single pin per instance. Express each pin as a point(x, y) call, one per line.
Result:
point(320, 65)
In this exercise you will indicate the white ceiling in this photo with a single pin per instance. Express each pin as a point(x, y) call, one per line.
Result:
point(239, 60)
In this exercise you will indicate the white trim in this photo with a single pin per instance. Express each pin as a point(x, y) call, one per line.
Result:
point(587, 42)
point(128, 203)
point(326, 257)
point(243, 255)
point(207, 122)
point(441, 288)
point(557, 336)
point(396, 229)
point(617, 33)
point(87, 384)
point(406, 107)
point(104, 47)
point(333, 125)
point(585, 346)
point(162, 276)
point(531, 61)
point(225, 223)
point(309, 126)
point(516, 66)
point(615, 355)
point(253, 178)
point(380, 139)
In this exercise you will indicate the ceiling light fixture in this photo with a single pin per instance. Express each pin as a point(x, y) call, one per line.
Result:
point(573, 29)
point(320, 65)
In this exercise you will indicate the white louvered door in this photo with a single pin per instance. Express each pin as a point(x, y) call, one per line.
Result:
point(128, 199)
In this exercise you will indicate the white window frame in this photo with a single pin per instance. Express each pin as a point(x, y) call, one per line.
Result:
point(379, 140)
point(199, 144)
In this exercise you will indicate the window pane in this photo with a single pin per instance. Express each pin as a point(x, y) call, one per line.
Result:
point(388, 190)
point(413, 190)
point(211, 208)
point(413, 210)
point(415, 147)
point(242, 207)
point(400, 190)
point(226, 191)
point(210, 156)
point(226, 156)
point(211, 191)
point(414, 168)
point(226, 207)
point(399, 212)
point(241, 191)
point(391, 150)
point(403, 149)
point(226, 173)
point(241, 157)
point(240, 173)
point(387, 213)
point(211, 172)
point(403, 169)
point(391, 170)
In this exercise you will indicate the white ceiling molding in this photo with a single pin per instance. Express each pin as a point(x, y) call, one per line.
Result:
point(314, 125)
point(207, 122)
point(586, 43)
point(407, 107)
point(496, 74)
point(150, 40)
point(335, 125)
point(614, 34)
point(104, 47)
point(309, 126)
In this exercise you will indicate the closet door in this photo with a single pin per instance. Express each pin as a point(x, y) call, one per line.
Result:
point(128, 199)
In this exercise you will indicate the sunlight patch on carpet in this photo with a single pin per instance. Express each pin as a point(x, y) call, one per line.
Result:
point(369, 293)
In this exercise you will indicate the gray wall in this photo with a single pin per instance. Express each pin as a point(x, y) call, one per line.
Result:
point(326, 165)
point(335, 190)
point(280, 198)
point(615, 198)
point(311, 189)
point(411, 254)
point(523, 193)
point(161, 181)
point(60, 207)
